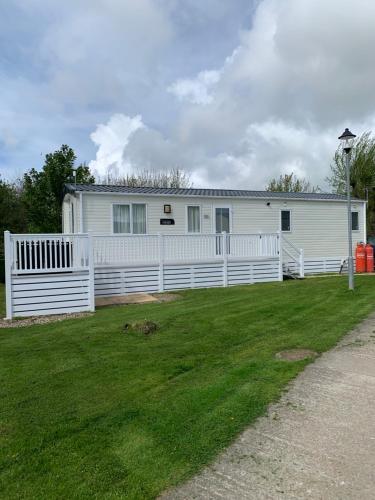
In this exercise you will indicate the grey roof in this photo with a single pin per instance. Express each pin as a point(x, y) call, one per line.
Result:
point(219, 193)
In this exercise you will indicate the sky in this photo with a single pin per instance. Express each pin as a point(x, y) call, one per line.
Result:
point(234, 92)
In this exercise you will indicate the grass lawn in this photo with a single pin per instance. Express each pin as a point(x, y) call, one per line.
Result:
point(89, 411)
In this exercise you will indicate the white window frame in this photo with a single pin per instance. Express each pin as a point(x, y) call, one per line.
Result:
point(222, 205)
point(359, 225)
point(290, 219)
point(187, 218)
point(130, 205)
point(72, 217)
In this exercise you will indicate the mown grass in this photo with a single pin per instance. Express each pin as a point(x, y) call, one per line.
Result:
point(89, 411)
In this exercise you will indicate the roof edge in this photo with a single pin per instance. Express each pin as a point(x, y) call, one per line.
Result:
point(261, 194)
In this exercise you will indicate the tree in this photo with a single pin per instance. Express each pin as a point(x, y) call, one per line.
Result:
point(362, 174)
point(12, 215)
point(43, 190)
point(174, 178)
point(289, 183)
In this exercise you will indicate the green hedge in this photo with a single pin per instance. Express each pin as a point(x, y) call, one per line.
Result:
point(2, 270)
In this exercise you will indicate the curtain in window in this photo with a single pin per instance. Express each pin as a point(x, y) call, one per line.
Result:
point(194, 220)
point(139, 218)
point(121, 218)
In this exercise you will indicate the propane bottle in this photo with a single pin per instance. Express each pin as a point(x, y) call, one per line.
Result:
point(360, 258)
point(369, 258)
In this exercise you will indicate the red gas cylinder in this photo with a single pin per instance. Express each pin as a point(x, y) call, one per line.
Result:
point(360, 258)
point(369, 258)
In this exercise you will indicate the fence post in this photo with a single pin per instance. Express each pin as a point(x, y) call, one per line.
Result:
point(280, 251)
point(8, 254)
point(225, 259)
point(301, 263)
point(161, 262)
point(91, 271)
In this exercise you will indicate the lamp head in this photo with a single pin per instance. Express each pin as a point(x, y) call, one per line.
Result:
point(347, 140)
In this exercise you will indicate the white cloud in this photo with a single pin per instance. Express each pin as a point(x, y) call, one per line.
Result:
point(196, 90)
point(112, 139)
point(300, 75)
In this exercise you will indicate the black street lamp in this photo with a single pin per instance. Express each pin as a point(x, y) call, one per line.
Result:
point(347, 144)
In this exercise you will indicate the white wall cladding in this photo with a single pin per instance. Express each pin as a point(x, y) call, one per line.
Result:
point(35, 295)
point(319, 227)
point(131, 279)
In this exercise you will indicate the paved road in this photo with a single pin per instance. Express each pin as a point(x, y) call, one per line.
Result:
point(318, 442)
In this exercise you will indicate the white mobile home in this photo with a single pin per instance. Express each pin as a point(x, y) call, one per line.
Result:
point(118, 240)
point(314, 222)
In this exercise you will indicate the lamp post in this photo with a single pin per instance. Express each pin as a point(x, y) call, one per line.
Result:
point(347, 145)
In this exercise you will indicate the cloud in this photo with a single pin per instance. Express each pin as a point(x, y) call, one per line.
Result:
point(112, 139)
point(233, 92)
point(300, 74)
point(196, 90)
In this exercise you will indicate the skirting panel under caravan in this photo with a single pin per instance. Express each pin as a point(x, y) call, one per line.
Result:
point(39, 294)
point(318, 265)
point(154, 278)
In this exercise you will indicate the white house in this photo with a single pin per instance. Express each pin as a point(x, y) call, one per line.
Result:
point(314, 222)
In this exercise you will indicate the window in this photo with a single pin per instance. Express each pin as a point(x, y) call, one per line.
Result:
point(355, 221)
point(194, 219)
point(129, 219)
point(222, 219)
point(139, 218)
point(285, 220)
point(121, 218)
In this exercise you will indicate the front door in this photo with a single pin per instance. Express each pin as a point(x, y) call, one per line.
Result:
point(222, 223)
point(222, 219)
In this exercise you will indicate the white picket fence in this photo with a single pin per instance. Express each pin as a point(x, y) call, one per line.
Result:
point(59, 273)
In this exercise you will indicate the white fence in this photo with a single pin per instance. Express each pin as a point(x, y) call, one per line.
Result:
point(293, 258)
point(154, 263)
point(59, 273)
point(317, 265)
point(153, 249)
point(48, 274)
point(121, 280)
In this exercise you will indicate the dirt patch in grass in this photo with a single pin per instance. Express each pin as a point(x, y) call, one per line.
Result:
point(40, 320)
point(145, 326)
point(296, 354)
point(167, 297)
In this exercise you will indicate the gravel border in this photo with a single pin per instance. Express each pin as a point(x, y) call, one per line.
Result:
point(41, 320)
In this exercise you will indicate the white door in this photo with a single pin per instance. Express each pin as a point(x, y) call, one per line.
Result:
point(222, 223)
point(222, 219)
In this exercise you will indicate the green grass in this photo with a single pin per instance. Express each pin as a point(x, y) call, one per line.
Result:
point(90, 412)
